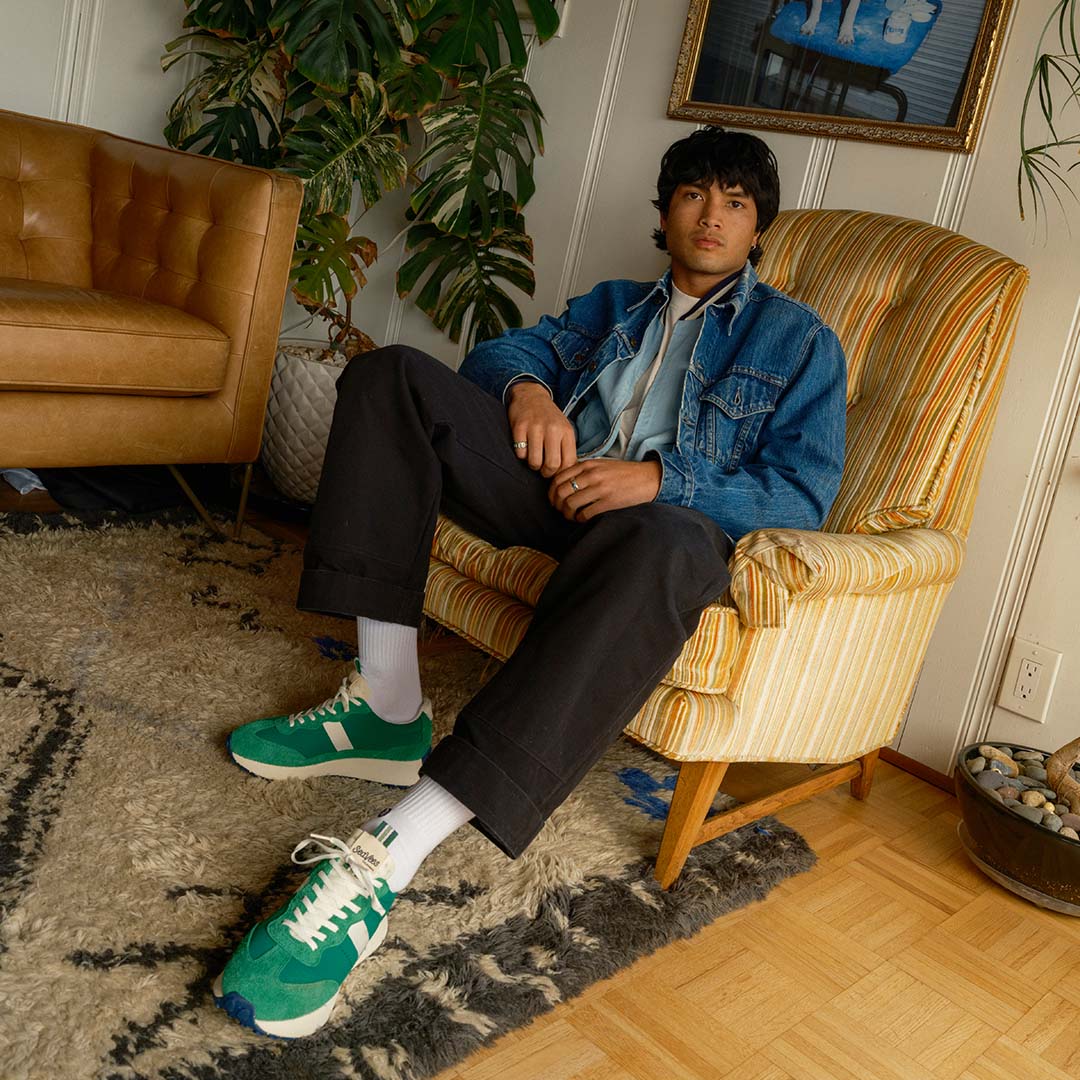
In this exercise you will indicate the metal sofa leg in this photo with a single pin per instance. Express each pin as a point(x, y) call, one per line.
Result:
point(695, 790)
point(242, 508)
point(194, 500)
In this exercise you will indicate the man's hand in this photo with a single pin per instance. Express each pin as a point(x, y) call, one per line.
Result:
point(588, 488)
point(550, 439)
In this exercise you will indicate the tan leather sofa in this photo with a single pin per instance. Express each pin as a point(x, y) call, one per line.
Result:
point(141, 291)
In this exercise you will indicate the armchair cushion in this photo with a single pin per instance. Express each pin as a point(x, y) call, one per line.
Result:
point(487, 595)
point(62, 337)
point(771, 567)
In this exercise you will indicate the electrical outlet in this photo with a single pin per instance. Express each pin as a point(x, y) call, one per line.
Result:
point(1029, 680)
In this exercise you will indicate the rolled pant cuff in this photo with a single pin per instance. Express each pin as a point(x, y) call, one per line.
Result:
point(331, 592)
point(504, 812)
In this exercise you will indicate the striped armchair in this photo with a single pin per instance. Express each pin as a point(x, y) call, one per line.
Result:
point(813, 654)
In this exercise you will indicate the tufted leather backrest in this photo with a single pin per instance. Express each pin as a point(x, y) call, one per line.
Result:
point(926, 318)
point(44, 200)
point(181, 230)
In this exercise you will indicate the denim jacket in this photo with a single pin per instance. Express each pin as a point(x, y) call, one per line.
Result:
point(760, 438)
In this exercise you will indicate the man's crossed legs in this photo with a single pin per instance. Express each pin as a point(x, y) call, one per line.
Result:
point(411, 437)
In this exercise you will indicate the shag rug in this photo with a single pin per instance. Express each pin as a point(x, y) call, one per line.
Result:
point(134, 855)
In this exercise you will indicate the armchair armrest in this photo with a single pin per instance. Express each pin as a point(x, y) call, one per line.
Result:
point(771, 567)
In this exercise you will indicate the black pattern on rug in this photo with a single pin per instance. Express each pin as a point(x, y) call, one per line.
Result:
point(135, 855)
point(34, 776)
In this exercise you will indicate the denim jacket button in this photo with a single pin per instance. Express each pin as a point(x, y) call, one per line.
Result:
point(592, 366)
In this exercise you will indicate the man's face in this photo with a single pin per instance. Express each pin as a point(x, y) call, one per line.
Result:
point(710, 231)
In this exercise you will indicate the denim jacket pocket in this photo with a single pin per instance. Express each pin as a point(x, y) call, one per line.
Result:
point(733, 411)
point(574, 346)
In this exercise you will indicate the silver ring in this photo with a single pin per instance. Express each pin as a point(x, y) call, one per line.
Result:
point(574, 486)
point(521, 446)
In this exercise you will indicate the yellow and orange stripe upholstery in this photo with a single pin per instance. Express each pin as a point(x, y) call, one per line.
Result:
point(813, 653)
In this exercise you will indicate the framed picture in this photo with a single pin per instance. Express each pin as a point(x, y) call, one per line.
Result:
point(915, 72)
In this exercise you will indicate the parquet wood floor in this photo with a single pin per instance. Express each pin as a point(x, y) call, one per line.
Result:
point(875, 965)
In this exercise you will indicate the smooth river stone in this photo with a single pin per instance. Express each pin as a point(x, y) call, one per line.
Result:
point(1071, 820)
point(990, 780)
point(976, 765)
point(1007, 791)
point(1033, 798)
point(1028, 755)
point(1036, 772)
point(1051, 822)
point(1030, 812)
point(1072, 834)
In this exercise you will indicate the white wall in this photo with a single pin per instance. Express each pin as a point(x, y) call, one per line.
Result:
point(94, 62)
point(604, 86)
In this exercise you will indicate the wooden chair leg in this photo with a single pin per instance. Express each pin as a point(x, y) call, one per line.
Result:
point(695, 790)
point(860, 786)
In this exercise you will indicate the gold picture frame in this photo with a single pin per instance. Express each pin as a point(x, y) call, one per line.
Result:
point(751, 63)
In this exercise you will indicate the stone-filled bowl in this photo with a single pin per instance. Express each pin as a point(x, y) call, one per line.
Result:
point(1032, 861)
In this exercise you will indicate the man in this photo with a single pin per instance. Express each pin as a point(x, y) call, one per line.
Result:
point(632, 438)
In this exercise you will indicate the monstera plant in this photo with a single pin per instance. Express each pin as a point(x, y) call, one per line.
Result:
point(340, 92)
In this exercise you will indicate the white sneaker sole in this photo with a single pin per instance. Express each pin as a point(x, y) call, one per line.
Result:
point(309, 1023)
point(399, 773)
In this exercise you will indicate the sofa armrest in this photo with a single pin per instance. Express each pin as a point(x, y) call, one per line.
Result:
point(771, 567)
point(210, 237)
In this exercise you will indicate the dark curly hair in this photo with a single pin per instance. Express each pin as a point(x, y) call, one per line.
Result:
point(729, 158)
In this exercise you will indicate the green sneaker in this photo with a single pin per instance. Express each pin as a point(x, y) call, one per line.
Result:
point(288, 971)
point(340, 737)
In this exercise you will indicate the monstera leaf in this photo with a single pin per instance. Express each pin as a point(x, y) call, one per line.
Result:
point(463, 274)
point(234, 72)
point(236, 18)
point(412, 85)
point(491, 120)
point(339, 146)
point(326, 39)
point(471, 31)
point(230, 132)
point(328, 260)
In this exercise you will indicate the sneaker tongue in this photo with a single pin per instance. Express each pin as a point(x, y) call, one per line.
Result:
point(371, 854)
point(358, 685)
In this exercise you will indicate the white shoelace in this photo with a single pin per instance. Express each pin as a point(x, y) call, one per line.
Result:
point(343, 879)
point(327, 707)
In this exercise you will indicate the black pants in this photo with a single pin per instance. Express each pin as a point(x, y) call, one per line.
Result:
point(411, 437)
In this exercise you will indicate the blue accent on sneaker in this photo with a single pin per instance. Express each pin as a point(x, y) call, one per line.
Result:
point(240, 1009)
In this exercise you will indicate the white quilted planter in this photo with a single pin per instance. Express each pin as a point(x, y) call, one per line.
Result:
point(298, 415)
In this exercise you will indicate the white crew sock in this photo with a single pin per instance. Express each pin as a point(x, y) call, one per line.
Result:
point(387, 656)
point(426, 815)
